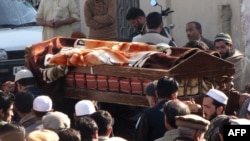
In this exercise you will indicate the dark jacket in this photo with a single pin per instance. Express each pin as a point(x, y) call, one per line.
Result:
point(209, 43)
point(151, 125)
point(34, 90)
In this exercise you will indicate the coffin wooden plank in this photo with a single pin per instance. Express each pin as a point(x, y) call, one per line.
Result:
point(104, 96)
point(122, 71)
point(202, 64)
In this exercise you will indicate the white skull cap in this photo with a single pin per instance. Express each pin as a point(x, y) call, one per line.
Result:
point(218, 96)
point(84, 107)
point(24, 73)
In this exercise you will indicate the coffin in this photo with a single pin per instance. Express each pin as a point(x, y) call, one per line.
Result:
point(195, 70)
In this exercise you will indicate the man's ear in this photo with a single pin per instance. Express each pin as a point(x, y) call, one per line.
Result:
point(18, 86)
point(198, 135)
point(231, 46)
point(141, 18)
point(75, 117)
point(161, 25)
point(33, 111)
point(219, 109)
point(110, 129)
point(95, 135)
point(200, 31)
point(1, 113)
point(174, 96)
point(154, 101)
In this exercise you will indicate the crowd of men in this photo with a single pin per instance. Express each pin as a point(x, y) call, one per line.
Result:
point(26, 113)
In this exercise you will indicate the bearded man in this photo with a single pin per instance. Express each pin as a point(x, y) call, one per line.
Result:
point(137, 18)
point(224, 45)
point(213, 106)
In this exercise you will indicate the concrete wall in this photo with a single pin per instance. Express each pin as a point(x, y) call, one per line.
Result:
point(245, 16)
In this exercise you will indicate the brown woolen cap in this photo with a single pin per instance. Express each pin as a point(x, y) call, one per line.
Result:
point(192, 121)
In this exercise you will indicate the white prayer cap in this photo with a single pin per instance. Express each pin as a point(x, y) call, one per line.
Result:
point(24, 73)
point(218, 96)
point(84, 107)
point(42, 103)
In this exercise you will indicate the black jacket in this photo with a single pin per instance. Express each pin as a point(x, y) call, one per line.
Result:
point(151, 125)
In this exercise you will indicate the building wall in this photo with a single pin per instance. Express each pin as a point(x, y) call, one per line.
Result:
point(245, 16)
